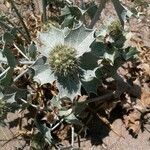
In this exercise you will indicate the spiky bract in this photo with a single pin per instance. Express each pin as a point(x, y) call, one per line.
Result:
point(115, 29)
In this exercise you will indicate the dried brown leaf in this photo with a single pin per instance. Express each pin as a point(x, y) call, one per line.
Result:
point(132, 122)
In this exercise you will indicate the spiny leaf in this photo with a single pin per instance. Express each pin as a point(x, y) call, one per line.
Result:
point(46, 40)
point(7, 79)
point(68, 22)
point(45, 131)
point(56, 102)
point(8, 38)
point(98, 49)
point(122, 12)
point(130, 52)
point(10, 57)
point(111, 54)
point(88, 61)
point(32, 50)
point(3, 59)
point(81, 39)
point(89, 81)
point(69, 116)
point(68, 86)
point(43, 74)
point(91, 86)
point(10, 98)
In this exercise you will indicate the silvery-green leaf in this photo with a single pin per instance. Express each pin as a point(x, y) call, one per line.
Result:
point(46, 40)
point(43, 74)
point(65, 11)
point(64, 113)
point(10, 57)
point(81, 39)
point(98, 49)
point(88, 75)
point(1, 95)
point(56, 102)
point(69, 116)
point(32, 50)
point(8, 38)
point(10, 98)
point(111, 55)
point(68, 87)
point(3, 59)
point(7, 79)
point(40, 61)
point(91, 86)
point(122, 12)
point(46, 132)
point(68, 22)
point(88, 61)
point(130, 53)
point(89, 81)
point(72, 119)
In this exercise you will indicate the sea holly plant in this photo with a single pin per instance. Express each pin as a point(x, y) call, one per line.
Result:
point(64, 52)
point(60, 68)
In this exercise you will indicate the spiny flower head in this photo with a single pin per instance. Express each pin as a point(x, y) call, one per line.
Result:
point(62, 60)
point(115, 29)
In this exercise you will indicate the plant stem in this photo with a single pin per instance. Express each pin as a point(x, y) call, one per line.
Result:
point(2, 24)
point(21, 52)
point(21, 19)
point(20, 75)
point(27, 62)
point(72, 136)
point(98, 13)
point(24, 101)
point(100, 98)
point(57, 124)
point(42, 5)
point(21, 32)
point(5, 71)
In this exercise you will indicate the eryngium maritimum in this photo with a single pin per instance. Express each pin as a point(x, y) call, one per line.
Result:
point(62, 60)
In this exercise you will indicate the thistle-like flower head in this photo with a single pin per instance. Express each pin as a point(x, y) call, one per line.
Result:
point(63, 61)
point(115, 29)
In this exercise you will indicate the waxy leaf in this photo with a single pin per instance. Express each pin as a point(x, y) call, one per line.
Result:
point(43, 74)
point(88, 61)
point(32, 50)
point(10, 57)
point(111, 54)
point(45, 131)
point(69, 116)
point(122, 12)
point(8, 38)
point(68, 87)
point(7, 79)
point(89, 81)
point(3, 59)
point(81, 39)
